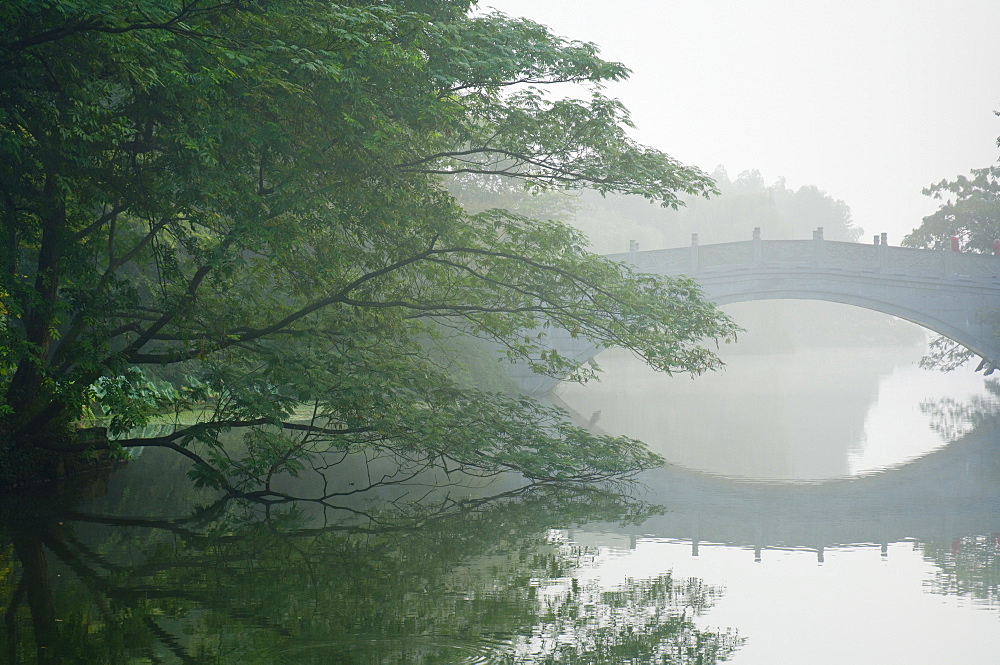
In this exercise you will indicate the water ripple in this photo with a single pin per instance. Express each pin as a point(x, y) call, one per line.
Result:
point(396, 650)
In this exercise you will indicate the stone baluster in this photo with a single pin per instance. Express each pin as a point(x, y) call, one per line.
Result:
point(819, 248)
point(949, 263)
point(757, 249)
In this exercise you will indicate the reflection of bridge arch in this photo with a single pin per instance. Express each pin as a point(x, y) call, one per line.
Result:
point(953, 491)
point(946, 292)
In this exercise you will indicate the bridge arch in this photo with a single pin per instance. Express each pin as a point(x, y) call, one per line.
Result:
point(951, 329)
point(949, 293)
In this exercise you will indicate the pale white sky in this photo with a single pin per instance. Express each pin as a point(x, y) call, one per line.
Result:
point(870, 100)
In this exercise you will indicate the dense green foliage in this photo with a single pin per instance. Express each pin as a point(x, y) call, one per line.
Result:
point(970, 211)
point(248, 199)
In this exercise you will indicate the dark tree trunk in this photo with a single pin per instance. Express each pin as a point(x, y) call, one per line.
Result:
point(25, 394)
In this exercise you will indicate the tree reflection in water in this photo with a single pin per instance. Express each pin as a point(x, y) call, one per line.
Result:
point(952, 419)
point(969, 564)
point(477, 580)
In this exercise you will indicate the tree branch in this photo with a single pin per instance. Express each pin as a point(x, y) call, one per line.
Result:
point(133, 356)
point(98, 24)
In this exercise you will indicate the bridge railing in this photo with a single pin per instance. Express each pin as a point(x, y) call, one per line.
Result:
point(850, 255)
point(665, 261)
point(908, 261)
point(974, 265)
point(787, 252)
point(818, 253)
point(725, 255)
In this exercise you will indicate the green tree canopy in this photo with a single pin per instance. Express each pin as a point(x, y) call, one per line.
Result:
point(970, 210)
point(248, 198)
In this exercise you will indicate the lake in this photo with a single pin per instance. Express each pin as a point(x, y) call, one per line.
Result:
point(823, 505)
point(843, 499)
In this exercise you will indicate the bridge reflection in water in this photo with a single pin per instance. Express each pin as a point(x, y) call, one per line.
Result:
point(838, 571)
point(950, 293)
point(944, 495)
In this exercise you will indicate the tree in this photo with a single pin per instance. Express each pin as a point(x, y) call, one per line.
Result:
point(248, 198)
point(970, 212)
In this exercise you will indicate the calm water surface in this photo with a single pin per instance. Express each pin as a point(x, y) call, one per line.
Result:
point(845, 500)
point(774, 539)
point(800, 416)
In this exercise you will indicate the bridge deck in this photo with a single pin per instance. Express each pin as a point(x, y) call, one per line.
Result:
point(760, 254)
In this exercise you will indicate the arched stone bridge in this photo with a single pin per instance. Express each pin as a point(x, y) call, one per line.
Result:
point(950, 293)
